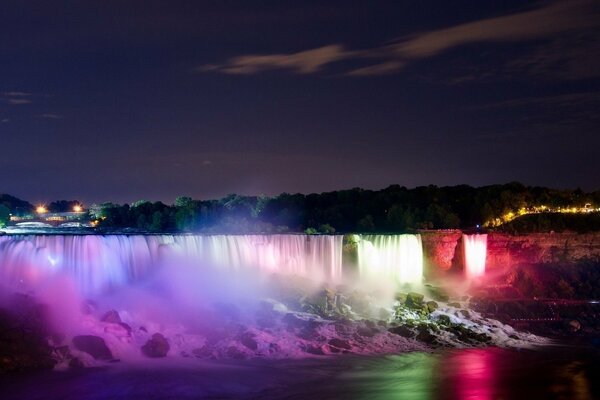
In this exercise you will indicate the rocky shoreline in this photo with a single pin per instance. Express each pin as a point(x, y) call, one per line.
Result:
point(294, 323)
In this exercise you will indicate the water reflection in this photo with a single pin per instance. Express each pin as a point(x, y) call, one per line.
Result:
point(482, 374)
point(561, 373)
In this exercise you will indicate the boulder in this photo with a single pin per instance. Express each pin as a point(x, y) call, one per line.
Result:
point(112, 317)
point(76, 363)
point(431, 306)
point(402, 331)
point(156, 347)
point(574, 326)
point(93, 345)
point(235, 353)
point(414, 300)
point(340, 343)
point(316, 350)
point(247, 340)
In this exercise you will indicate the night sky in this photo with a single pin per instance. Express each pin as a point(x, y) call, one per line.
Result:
point(126, 100)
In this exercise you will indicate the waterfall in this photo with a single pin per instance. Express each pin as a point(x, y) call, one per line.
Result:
point(475, 251)
point(98, 262)
point(398, 258)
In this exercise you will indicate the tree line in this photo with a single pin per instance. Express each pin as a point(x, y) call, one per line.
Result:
point(393, 209)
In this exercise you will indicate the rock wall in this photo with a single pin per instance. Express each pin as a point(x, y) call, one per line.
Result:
point(443, 249)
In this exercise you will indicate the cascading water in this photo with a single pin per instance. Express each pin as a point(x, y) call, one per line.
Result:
point(398, 258)
point(99, 262)
point(475, 251)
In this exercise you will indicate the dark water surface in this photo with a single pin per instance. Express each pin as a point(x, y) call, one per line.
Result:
point(551, 373)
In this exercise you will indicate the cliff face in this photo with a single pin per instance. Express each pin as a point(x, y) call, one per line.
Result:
point(443, 250)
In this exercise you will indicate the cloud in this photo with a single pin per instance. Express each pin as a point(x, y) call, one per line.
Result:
point(16, 98)
point(558, 17)
point(303, 62)
point(555, 18)
point(50, 116)
point(385, 68)
point(5, 120)
point(18, 101)
point(17, 94)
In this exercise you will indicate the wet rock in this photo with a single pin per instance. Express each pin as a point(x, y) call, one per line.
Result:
point(402, 331)
point(76, 363)
point(401, 297)
point(366, 331)
point(142, 329)
point(235, 353)
point(426, 337)
point(316, 350)
point(93, 345)
point(340, 343)
point(431, 306)
point(574, 326)
point(454, 304)
point(414, 300)
point(274, 348)
point(23, 339)
point(382, 324)
point(62, 353)
point(247, 340)
point(156, 347)
point(437, 293)
point(465, 313)
point(112, 317)
point(203, 352)
point(444, 319)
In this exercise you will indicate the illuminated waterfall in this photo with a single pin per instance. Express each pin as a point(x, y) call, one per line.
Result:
point(398, 258)
point(99, 262)
point(475, 251)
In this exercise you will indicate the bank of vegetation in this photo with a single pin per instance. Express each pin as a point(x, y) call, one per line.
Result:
point(393, 209)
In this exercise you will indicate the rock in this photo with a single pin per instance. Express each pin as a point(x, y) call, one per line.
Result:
point(62, 353)
point(574, 326)
point(141, 328)
point(247, 340)
point(454, 304)
point(437, 293)
point(112, 317)
point(444, 319)
point(274, 348)
point(235, 353)
point(465, 313)
point(316, 350)
point(156, 347)
point(93, 345)
point(414, 300)
point(402, 331)
point(203, 352)
point(366, 331)
point(76, 363)
point(23, 340)
point(431, 306)
point(340, 344)
point(426, 337)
